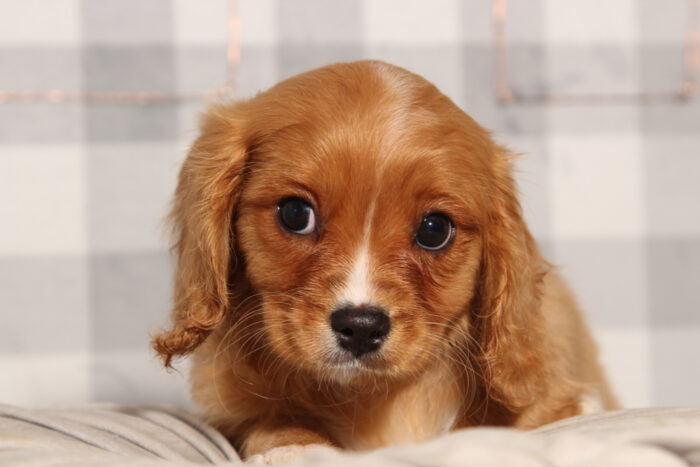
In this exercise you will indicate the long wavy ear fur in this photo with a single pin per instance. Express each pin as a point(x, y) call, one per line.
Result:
point(206, 195)
point(509, 318)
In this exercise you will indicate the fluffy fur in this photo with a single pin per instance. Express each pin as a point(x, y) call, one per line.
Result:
point(482, 332)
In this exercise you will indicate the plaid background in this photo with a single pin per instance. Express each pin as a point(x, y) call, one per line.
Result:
point(610, 190)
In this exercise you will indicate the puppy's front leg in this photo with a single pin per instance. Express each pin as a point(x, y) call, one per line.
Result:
point(279, 442)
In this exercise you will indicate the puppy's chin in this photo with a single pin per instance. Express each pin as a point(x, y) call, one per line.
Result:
point(344, 368)
point(337, 366)
point(333, 364)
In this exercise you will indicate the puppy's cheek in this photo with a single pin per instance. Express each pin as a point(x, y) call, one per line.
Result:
point(279, 331)
point(411, 348)
point(295, 337)
point(278, 342)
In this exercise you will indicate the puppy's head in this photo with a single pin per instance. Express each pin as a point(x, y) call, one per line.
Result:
point(363, 220)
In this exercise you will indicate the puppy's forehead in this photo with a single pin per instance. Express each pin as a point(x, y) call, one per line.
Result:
point(349, 130)
point(367, 109)
point(362, 103)
point(340, 163)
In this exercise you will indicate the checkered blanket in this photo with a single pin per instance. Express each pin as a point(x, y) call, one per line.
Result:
point(608, 177)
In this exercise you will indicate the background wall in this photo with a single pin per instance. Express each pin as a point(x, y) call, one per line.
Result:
point(610, 189)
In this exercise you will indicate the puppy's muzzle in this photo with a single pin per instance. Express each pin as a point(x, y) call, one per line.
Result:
point(360, 330)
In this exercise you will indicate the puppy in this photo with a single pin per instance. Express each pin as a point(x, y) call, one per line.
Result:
point(354, 271)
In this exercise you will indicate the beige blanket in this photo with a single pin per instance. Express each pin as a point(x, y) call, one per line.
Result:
point(146, 436)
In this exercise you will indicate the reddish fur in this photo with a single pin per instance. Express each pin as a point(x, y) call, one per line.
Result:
point(482, 333)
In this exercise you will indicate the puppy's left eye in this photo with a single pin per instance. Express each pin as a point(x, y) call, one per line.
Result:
point(435, 231)
point(296, 215)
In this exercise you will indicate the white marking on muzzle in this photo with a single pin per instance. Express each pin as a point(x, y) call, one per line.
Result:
point(358, 287)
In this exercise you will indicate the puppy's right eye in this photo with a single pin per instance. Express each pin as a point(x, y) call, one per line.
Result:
point(296, 215)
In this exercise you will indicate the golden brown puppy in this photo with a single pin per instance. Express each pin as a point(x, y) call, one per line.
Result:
point(354, 271)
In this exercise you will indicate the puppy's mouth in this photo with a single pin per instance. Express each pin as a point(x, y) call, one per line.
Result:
point(345, 366)
point(342, 358)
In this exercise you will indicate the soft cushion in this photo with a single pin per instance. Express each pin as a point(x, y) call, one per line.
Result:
point(154, 436)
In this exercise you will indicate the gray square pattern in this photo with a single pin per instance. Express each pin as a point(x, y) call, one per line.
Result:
point(45, 301)
point(109, 122)
point(86, 307)
point(113, 223)
point(675, 300)
point(41, 123)
point(299, 22)
point(615, 296)
point(41, 68)
point(126, 22)
point(129, 297)
point(129, 69)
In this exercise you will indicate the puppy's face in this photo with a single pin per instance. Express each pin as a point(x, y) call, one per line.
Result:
point(360, 222)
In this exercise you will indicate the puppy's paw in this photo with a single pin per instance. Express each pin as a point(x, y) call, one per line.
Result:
point(284, 454)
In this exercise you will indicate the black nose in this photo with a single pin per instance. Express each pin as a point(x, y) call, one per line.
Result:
point(360, 329)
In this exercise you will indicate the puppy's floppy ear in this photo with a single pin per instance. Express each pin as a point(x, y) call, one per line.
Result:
point(509, 316)
point(206, 195)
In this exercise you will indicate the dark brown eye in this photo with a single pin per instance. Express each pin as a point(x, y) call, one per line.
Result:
point(435, 231)
point(296, 215)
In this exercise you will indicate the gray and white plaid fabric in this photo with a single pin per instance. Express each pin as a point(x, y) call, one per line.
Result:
point(609, 188)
